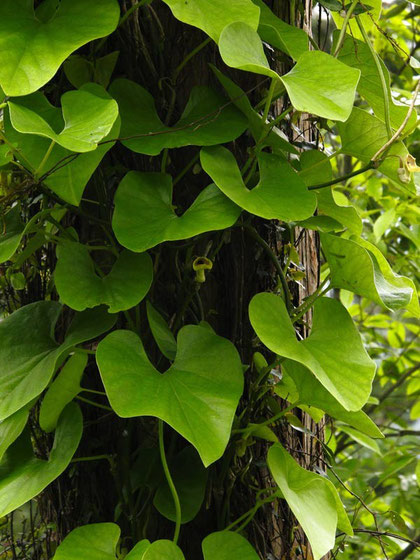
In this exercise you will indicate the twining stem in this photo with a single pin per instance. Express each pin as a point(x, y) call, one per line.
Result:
point(131, 10)
point(343, 30)
point(381, 76)
point(269, 99)
point(93, 458)
point(371, 165)
point(170, 482)
point(93, 403)
point(307, 304)
point(45, 159)
point(189, 56)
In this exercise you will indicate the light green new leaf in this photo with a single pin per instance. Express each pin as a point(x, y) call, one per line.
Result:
point(197, 396)
point(40, 46)
point(315, 170)
point(299, 385)
point(73, 170)
point(23, 476)
point(207, 120)
point(162, 550)
point(240, 47)
point(62, 391)
point(29, 353)
point(137, 553)
point(226, 545)
point(363, 135)
point(312, 498)
point(279, 34)
point(357, 54)
point(144, 215)
point(321, 85)
point(213, 15)
point(90, 542)
point(361, 438)
point(281, 194)
point(368, 19)
point(190, 479)
point(161, 332)
point(333, 352)
point(358, 266)
point(79, 286)
point(6, 154)
point(11, 233)
point(11, 428)
point(88, 116)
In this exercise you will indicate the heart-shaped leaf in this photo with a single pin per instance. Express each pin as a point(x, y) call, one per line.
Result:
point(11, 233)
point(162, 550)
point(226, 545)
point(80, 287)
point(29, 353)
point(287, 38)
point(190, 479)
point(309, 494)
point(206, 120)
point(23, 476)
point(39, 47)
point(333, 352)
point(144, 215)
point(67, 172)
point(358, 266)
point(321, 85)
point(213, 15)
point(363, 135)
point(11, 428)
point(88, 115)
point(281, 194)
point(307, 390)
point(62, 391)
point(197, 396)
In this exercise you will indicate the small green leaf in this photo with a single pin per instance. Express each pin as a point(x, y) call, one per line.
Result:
point(80, 287)
point(213, 15)
point(360, 438)
point(312, 498)
point(162, 550)
point(17, 280)
point(206, 120)
point(226, 545)
point(62, 391)
point(11, 232)
point(197, 396)
point(88, 116)
point(11, 428)
point(190, 479)
point(281, 194)
point(29, 353)
point(144, 215)
point(321, 85)
point(334, 340)
point(39, 47)
point(161, 333)
point(90, 542)
point(23, 476)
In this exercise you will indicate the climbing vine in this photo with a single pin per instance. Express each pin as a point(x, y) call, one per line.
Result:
point(122, 216)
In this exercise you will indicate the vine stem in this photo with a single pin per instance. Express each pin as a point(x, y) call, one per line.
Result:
point(130, 11)
point(45, 159)
point(371, 165)
point(381, 76)
point(170, 482)
point(189, 57)
point(343, 30)
point(269, 99)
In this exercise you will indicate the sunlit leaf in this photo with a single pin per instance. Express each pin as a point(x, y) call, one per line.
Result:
point(226, 545)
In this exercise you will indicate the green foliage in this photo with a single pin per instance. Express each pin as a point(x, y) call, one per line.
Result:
point(140, 240)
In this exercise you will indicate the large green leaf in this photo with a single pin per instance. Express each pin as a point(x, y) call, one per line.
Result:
point(62, 391)
point(213, 15)
point(206, 120)
point(357, 54)
point(333, 352)
point(197, 396)
point(29, 353)
point(190, 479)
point(11, 233)
point(11, 428)
point(73, 170)
point(226, 545)
point(312, 498)
point(144, 215)
point(281, 194)
point(321, 85)
point(31, 49)
point(162, 550)
point(97, 541)
point(80, 287)
point(358, 266)
point(88, 115)
point(363, 135)
point(23, 476)
point(307, 390)
point(273, 30)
